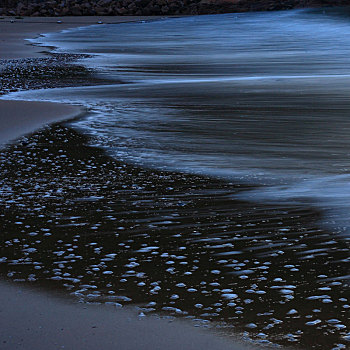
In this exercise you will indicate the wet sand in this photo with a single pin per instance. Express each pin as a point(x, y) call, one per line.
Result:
point(32, 319)
point(35, 320)
point(13, 35)
point(77, 222)
point(21, 117)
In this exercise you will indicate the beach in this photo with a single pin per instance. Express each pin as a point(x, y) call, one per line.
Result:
point(194, 182)
point(14, 33)
point(20, 117)
point(34, 318)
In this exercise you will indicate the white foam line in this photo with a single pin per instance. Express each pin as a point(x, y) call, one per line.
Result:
point(269, 77)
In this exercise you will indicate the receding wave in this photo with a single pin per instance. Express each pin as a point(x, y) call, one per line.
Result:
point(259, 98)
point(236, 132)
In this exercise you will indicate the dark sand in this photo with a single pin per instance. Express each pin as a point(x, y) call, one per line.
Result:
point(31, 320)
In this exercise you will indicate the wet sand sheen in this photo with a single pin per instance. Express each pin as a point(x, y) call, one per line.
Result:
point(35, 320)
point(18, 118)
point(13, 35)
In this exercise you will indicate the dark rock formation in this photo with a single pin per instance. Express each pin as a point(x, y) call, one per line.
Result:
point(150, 7)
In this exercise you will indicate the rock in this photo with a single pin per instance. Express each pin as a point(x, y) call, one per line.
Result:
point(64, 12)
point(151, 7)
point(20, 7)
point(100, 10)
point(103, 3)
point(76, 10)
point(86, 5)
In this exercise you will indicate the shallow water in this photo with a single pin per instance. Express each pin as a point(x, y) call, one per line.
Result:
point(251, 111)
point(259, 98)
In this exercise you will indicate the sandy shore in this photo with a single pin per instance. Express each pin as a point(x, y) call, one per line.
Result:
point(35, 320)
point(21, 117)
point(13, 35)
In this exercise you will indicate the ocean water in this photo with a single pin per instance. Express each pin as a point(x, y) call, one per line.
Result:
point(257, 100)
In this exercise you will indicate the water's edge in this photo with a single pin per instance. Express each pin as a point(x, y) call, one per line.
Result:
point(78, 219)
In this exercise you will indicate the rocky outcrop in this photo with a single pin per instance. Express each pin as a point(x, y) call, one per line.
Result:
point(150, 7)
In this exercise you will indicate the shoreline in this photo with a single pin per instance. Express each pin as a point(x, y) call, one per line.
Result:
point(96, 206)
point(23, 117)
point(17, 53)
point(13, 35)
point(33, 319)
